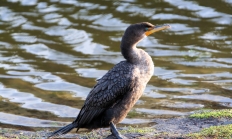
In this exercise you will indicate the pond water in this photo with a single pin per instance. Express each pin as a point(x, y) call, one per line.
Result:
point(52, 52)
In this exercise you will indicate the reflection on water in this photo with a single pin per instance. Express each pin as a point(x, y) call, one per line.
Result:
point(51, 53)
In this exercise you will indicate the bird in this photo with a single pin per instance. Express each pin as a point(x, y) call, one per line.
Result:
point(115, 93)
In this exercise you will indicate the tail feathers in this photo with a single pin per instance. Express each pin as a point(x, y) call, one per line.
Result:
point(62, 130)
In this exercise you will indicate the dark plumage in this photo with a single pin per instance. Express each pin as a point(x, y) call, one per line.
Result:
point(118, 90)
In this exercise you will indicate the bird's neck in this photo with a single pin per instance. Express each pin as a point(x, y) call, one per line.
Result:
point(130, 52)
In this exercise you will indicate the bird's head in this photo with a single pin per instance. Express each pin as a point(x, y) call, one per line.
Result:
point(136, 32)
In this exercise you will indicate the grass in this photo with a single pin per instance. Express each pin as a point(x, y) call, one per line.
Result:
point(140, 130)
point(225, 113)
point(214, 132)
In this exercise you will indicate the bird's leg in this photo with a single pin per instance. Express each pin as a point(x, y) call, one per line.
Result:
point(114, 131)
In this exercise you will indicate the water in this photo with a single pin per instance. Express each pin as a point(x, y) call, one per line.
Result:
point(52, 52)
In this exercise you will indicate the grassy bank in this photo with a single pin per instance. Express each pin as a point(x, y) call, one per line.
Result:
point(207, 119)
point(214, 132)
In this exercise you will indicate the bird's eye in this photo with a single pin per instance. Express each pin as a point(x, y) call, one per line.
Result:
point(146, 29)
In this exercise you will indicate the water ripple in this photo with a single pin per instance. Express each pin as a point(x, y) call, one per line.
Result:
point(29, 101)
point(178, 104)
point(212, 36)
point(24, 37)
point(162, 16)
point(79, 91)
point(107, 21)
point(160, 112)
point(207, 97)
point(42, 8)
point(203, 64)
point(134, 10)
point(43, 51)
point(90, 72)
point(183, 29)
point(12, 119)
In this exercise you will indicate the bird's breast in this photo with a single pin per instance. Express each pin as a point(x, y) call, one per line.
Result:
point(145, 66)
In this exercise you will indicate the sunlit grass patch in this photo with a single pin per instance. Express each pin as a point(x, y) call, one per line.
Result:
point(140, 130)
point(214, 132)
point(226, 113)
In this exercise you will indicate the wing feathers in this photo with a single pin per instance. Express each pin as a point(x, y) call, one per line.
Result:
point(106, 93)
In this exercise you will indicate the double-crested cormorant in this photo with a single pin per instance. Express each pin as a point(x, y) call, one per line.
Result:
point(118, 90)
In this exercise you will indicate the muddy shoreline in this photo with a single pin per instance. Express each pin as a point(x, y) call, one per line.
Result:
point(173, 128)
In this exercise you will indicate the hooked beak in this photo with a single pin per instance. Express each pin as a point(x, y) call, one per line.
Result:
point(156, 28)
